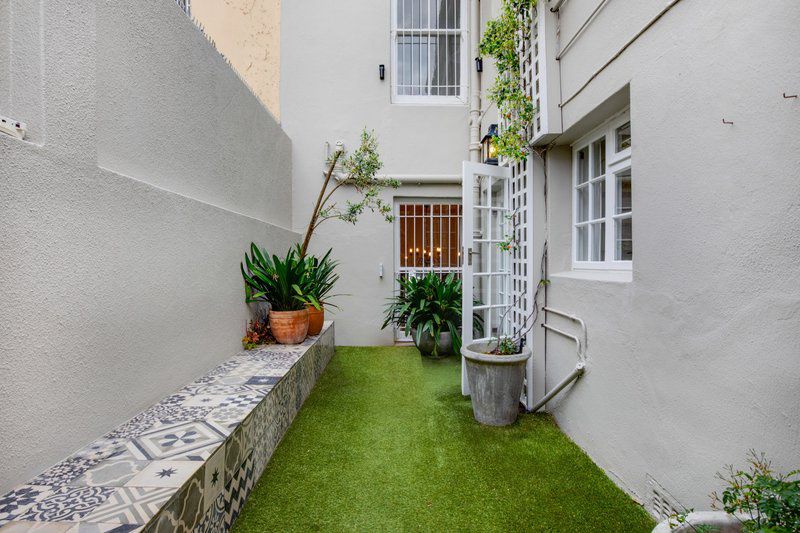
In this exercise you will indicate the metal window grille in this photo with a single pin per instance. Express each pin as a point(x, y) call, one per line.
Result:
point(428, 50)
point(185, 5)
point(428, 237)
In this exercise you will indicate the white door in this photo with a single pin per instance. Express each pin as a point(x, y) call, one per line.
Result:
point(487, 267)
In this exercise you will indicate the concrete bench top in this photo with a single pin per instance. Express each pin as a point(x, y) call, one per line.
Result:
point(186, 463)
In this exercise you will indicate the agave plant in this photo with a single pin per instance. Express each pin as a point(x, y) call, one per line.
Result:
point(320, 279)
point(428, 304)
point(281, 282)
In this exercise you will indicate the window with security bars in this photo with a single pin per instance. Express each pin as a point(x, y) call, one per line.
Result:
point(428, 51)
point(185, 6)
point(428, 239)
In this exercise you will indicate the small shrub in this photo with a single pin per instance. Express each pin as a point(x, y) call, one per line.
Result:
point(771, 500)
point(257, 333)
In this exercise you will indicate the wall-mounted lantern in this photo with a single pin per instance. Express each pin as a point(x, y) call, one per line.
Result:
point(479, 64)
point(382, 71)
point(488, 146)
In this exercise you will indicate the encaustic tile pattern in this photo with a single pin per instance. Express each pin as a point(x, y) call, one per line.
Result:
point(187, 463)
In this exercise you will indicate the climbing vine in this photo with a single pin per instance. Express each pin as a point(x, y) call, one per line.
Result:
point(502, 41)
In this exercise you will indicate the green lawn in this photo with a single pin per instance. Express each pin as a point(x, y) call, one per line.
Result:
point(386, 442)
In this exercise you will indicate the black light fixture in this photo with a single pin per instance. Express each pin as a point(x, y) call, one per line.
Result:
point(479, 64)
point(382, 71)
point(488, 146)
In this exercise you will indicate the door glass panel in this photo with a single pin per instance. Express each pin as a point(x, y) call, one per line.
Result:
point(480, 290)
point(480, 228)
point(480, 323)
point(499, 192)
point(624, 238)
point(482, 257)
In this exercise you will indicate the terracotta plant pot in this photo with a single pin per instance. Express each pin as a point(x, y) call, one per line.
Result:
point(316, 317)
point(289, 327)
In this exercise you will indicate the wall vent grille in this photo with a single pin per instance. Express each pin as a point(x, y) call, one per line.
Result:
point(662, 504)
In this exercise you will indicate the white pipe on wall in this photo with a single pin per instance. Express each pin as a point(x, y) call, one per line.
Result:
point(474, 83)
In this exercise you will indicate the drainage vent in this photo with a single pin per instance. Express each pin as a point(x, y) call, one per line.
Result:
point(662, 504)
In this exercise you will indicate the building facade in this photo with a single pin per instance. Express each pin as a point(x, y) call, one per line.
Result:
point(657, 225)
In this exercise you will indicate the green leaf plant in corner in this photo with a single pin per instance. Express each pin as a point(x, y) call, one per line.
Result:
point(281, 282)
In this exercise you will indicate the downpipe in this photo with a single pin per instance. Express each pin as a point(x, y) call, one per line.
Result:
point(475, 83)
point(580, 366)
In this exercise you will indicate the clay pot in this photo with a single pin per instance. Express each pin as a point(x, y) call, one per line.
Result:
point(316, 317)
point(289, 327)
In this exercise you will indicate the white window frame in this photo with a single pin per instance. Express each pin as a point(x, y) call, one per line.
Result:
point(616, 163)
point(461, 99)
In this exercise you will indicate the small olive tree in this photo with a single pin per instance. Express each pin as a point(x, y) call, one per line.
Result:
point(360, 170)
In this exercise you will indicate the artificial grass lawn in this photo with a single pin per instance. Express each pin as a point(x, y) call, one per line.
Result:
point(386, 442)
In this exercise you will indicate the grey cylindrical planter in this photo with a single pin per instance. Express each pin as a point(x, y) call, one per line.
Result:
point(720, 521)
point(426, 344)
point(495, 383)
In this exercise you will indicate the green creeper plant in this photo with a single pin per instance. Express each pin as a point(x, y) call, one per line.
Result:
point(360, 169)
point(502, 41)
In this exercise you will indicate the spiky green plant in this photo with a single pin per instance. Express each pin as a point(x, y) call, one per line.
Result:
point(427, 304)
point(320, 279)
point(281, 282)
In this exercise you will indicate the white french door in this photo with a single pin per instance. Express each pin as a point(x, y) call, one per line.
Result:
point(486, 198)
point(428, 237)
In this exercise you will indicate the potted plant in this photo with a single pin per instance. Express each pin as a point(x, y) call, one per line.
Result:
point(754, 500)
point(320, 279)
point(280, 282)
point(496, 372)
point(428, 308)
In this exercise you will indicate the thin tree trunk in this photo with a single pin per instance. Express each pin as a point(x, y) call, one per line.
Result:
point(315, 214)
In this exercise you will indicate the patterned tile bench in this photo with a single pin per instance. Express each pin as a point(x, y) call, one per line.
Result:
point(186, 464)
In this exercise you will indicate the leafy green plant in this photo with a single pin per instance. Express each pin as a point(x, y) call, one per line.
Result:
point(502, 41)
point(428, 304)
point(360, 171)
point(506, 346)
point(771, 500)
point(281, 282)
point(320, 279)
point(682, 519)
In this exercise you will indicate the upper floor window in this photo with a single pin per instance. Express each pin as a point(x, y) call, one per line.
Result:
point(602, 208)
point(185, 5)
point(428, 51)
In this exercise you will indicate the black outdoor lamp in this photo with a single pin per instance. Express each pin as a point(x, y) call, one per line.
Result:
point(381, 72)
point(488, 146)
point(479, 64)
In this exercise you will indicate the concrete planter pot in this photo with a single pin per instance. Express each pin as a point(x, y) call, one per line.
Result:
point(316, 318)
point(721, 521)
point(426, 344)
point(289, 327)
point(495, 383)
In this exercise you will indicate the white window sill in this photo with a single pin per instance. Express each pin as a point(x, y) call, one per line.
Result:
point(611, 276)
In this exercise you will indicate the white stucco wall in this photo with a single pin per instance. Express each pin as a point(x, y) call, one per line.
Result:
point(330, 90)
point(248, 34)
point(121, 284)
point(694, 361)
